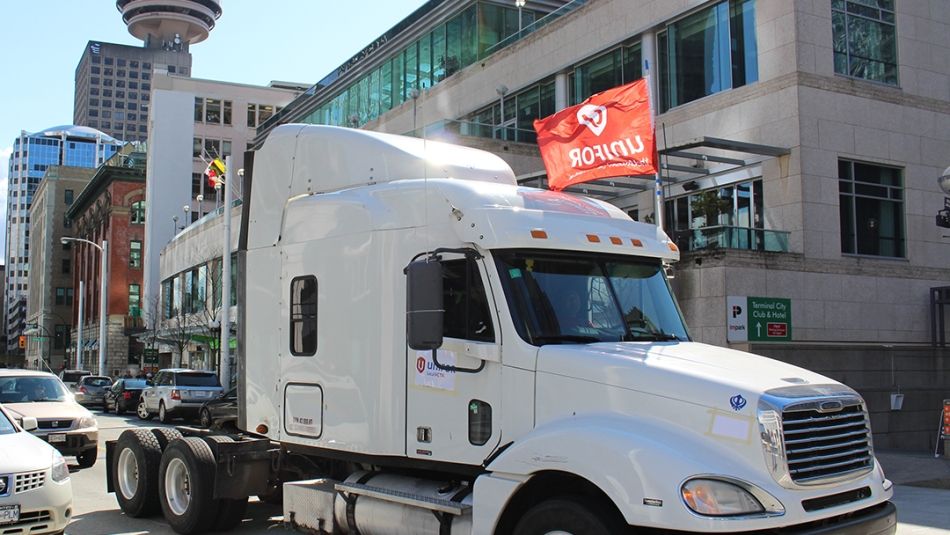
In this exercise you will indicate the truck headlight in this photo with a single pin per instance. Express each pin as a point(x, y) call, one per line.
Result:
point(773, 447)
point(87, 421)
point(60, 470)
point(710, 497)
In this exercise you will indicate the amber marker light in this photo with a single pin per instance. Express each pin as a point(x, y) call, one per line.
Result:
point(673, 247)
point(539, 234)
point(615, 240)
point(593, 238)
point(261, 429)
point(636, 242)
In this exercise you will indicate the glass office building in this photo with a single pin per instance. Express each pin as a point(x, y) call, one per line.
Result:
point(75, 146)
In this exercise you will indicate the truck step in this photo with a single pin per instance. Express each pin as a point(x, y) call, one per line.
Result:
point(405, 498)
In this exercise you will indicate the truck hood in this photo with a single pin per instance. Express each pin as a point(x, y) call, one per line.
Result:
point(44, 410)
point(692, 372)
point(23, 452)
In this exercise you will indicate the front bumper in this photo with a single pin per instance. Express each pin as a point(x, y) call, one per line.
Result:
point(74, 442)
point(880, 519)
point(46, 509)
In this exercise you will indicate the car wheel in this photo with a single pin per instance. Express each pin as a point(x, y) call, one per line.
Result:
point(568, 515)
point(162, 413)
point(88, 458)
point(186, 486)
point(204, 418)
point(142, 411)
point(135, 472)
point(230, 510)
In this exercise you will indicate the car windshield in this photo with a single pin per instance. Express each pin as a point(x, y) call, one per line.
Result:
point(24, 389)
point(72, 377)
point(197, 379)
point(134, 384)
point(97, 381)
point(559, 298)
point(6, 426)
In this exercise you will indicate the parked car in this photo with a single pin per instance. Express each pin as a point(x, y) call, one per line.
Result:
point(36, 495)
point(177, 392)
point(123, 395)
point(71, 377)
point(220, 412)
point(65, 424)
point(91, 388)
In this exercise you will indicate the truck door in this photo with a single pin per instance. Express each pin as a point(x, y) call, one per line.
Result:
point(454, 400)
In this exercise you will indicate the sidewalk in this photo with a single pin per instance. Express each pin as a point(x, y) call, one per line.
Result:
point(921, 491)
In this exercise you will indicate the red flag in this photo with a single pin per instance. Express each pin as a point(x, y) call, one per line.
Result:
point(609, 134)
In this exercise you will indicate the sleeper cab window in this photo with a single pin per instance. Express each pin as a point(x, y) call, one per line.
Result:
point(303, 316)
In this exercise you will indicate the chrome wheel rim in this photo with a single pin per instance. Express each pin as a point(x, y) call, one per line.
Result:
point(177, 487)
point(143, 412)
point(128, 472)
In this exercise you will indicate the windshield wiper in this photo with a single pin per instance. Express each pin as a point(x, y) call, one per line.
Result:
point(565, 338)
point(652, 337)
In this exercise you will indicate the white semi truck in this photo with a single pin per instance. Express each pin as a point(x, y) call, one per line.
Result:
point(427, 348)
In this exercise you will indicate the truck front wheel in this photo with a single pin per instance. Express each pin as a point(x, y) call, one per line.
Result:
point(186, 486)
point(569, 515)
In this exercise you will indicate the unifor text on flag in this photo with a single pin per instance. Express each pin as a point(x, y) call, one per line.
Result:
point(610, 134)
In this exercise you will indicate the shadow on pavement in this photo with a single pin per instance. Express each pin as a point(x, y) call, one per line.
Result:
point(260, 518)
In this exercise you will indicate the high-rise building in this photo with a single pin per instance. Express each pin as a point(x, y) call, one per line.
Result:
point(113, 81)
point(75, 146)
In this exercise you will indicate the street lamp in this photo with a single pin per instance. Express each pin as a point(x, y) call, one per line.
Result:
point(520, 4)
point(104, 295)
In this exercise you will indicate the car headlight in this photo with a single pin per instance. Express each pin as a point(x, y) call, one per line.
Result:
point(710, 497)
point(60, 470)
point(87, 421)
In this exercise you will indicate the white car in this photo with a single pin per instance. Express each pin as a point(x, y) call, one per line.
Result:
point(36, 495)
point(65, 424)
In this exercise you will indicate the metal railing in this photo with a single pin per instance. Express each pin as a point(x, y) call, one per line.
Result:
point(729, 237)
point(448, 128)
point(533, 27)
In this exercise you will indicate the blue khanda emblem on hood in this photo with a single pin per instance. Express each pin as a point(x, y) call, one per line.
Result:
point(737, 402)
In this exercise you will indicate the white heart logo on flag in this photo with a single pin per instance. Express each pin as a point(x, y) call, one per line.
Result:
point(593, 117)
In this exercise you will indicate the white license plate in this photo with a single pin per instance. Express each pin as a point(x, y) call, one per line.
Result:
point(9, 514)
point(201, 394)
point(57, 438)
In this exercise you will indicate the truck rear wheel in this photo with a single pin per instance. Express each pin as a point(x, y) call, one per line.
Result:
point(569, 515)
point(166, 435)
point(135, 472)
point(186, 486)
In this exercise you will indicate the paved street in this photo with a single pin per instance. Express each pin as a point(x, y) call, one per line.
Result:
point(921, 511)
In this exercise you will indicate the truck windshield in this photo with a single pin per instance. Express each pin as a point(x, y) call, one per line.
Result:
point(558, 298)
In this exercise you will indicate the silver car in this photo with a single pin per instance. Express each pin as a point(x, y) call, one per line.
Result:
point(177, 392)
point(90, 390)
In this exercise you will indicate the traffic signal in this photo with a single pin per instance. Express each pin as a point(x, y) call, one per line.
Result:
point(22, 341)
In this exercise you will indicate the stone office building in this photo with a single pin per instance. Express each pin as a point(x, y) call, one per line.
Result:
point(801, 144)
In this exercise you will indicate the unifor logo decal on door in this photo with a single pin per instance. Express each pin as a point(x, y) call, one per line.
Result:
point(430, 375)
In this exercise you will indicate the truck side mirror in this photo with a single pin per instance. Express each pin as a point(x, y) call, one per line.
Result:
point(424, 310)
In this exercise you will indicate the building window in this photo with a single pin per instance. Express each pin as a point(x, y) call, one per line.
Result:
point(68, 194)
point(138, 213)
point(707, 52)
point(865, 39)
point(69, 296)
point(871, 199)
point(60, 336)
point(135, 300)
point(60, 296)
point(227, 112)
point(65, 266)
point(303, 316)
point(135, 254)
point(67, 222)
point(213, 111)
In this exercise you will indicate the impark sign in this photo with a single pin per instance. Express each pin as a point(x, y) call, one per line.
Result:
point(758, 319)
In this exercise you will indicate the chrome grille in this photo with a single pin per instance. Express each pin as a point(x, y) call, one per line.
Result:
point(55, 424)
point(822, 445)
point(29, 481)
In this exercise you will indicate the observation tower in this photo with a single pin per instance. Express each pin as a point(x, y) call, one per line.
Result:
point(169, 24)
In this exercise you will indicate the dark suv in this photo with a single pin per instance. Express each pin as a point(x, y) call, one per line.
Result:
point(177, 392)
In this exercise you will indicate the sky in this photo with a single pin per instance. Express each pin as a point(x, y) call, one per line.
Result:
point(253, 42)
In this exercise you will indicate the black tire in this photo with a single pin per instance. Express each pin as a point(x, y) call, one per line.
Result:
point(204, 418)
point(148, 457)
point(230, 511)
point(165, 436)
point(88, 458)
point(194, 456)
point(142, 411)
point(576, 515)
point(118, 408)
point(163, 413)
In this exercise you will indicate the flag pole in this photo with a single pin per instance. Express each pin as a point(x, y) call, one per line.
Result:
point(657, 180)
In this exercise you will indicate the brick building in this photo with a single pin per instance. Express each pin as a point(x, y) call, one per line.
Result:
point(111, 208)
